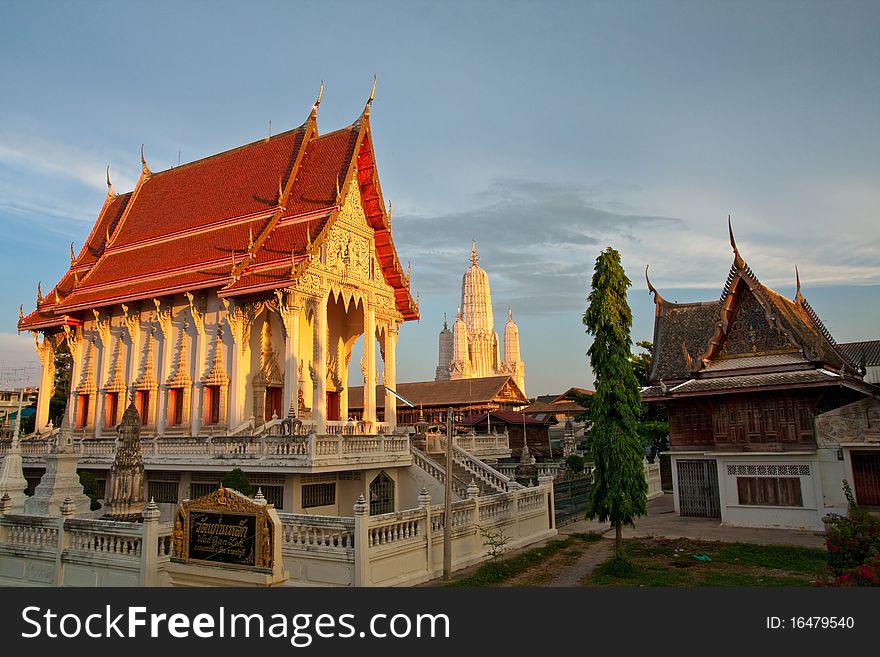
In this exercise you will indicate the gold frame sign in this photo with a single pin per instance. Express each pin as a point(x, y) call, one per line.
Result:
point(226, 529)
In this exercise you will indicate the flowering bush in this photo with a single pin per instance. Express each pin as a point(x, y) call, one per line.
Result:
point(852, 541)
point(866, 574)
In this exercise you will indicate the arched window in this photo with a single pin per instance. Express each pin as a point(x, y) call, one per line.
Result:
point(381, 494)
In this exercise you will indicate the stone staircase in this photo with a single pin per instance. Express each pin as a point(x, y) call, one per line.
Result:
point(466, 468)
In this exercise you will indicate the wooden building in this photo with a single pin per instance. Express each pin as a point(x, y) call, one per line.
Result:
point(467, 397)
point(746, 380)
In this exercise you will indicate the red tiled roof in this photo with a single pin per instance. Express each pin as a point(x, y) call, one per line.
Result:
point(180, 229)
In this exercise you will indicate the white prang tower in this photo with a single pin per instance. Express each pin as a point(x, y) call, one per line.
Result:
point(472, 348)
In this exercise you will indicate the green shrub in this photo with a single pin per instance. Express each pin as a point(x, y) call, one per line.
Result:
point(237, 480)
point(90, 488)
point(575, 463)
point(852, 539)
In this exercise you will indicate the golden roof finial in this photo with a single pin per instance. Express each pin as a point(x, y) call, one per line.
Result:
point(797, 276)
point(250, 238)
point(39, 293)
point(408, 270)
point(308, 239)
point(72, 255)
point(110, 191)
point(145, 170)
point(21, 312)
point(509, 314)
point(320, 95)
point(389, 211)
point(474, 256)
point(371, 98)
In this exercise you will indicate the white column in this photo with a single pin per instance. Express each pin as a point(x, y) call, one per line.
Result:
point(198, 370)
point(46, 354)
point(291, 360)
point(319, 403)
point(391, 375)
point(162, 375)
point(369, 363)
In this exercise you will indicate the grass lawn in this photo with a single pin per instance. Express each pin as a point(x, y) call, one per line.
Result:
point(673, 562)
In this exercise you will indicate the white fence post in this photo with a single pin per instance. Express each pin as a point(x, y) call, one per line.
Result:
point(150, 546)
point(361, 541)
point(424, 500)
point(68, 509)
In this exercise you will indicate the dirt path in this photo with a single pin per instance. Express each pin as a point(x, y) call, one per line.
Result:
point(599, 552)
point(564, 568)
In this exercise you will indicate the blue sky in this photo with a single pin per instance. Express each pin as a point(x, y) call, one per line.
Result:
point(545, 131)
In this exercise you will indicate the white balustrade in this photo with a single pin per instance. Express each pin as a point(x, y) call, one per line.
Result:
point(317, 533)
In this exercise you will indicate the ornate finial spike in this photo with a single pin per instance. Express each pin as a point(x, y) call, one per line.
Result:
point(797, 276)
point(444, 321)
point(408, 270)
point(509, 314)
point(21, 312)
point(372, 93)
point(39, 292)
point(72, 255)
point(474, 256)
point(730, 232)
point(320, 95)
point(459, 312)
point(389, 211)
point(145, 170)
point(110, 191)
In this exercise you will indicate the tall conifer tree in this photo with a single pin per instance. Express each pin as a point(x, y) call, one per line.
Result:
point(619, 491)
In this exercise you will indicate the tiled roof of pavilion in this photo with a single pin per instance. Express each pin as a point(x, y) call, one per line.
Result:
point(689, 338)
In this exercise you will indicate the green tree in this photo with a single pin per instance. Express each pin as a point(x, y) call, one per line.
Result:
point(620, 491)
point(653, 427)
point(237, 480)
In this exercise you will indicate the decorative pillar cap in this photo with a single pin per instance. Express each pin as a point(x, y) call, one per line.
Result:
point(424, 497)
point(6, 504)
point(473, 490)
point(151, 511)
point(259, 498)
point(361, 507)
point(68, 508)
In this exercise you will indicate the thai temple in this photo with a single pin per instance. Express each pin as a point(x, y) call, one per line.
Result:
point(217, 306)
point(472, 349)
